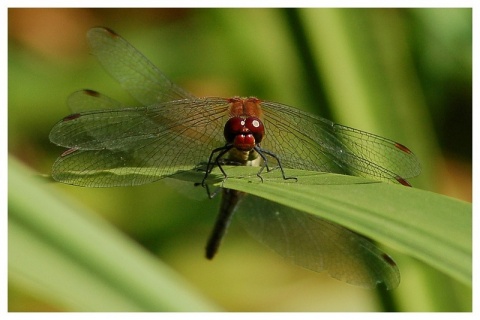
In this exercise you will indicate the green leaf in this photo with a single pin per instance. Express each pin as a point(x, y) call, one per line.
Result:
point(64, 253)
point(76, 261)
point(430, 227)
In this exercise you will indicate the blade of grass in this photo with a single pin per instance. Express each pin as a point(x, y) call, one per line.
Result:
point(76, 261)
point(430, 227)
point(366, 53)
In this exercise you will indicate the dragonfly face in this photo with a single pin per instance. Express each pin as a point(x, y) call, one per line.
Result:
point(109, 144)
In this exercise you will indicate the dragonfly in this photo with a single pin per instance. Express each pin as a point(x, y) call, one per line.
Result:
point(110, 144)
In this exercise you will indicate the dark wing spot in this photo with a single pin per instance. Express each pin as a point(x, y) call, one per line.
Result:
point(403, 181)
point(402, 147)
point(111, 32)
point(71, 117)
point(388, 260)
point(92, 93)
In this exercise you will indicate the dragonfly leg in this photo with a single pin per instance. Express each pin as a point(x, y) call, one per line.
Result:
point(262, 153)
point(211, 163)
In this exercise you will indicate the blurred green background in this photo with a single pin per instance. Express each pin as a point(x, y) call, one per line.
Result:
point(405, 74)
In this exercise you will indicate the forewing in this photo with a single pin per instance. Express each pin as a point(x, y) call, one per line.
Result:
point(305, 141)
point(137, 145)
point(132, 70)
point(89, 100)
point(317, 244)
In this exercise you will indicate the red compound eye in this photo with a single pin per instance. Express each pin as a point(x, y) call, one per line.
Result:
point(255, 126)
point(232, 128)
point(244, 134)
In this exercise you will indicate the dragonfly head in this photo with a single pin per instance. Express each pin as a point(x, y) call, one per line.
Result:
point(244, 133)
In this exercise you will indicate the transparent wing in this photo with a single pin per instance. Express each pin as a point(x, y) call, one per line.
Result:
point(89, 100)
point(114, 141)
point(305, 141)
point(132, 70)
point(317, 244)
point(131, 146)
